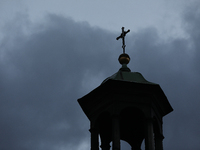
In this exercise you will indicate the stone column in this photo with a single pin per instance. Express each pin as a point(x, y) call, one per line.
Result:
point(105, 146)
point(94, 139)
point(149, 136)
point(159, 141)
point(115, 132)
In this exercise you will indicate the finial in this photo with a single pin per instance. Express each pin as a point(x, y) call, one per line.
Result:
point(123, 58)
point(123, 34)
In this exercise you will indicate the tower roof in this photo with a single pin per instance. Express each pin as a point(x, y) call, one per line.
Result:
point(125, 74)
point(127, 83)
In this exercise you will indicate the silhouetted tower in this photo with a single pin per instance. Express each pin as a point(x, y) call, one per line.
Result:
point(126, 107)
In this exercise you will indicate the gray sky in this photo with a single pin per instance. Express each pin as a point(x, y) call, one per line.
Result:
point(54, 52)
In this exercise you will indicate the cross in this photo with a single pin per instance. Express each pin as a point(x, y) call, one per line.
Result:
point(123, 34)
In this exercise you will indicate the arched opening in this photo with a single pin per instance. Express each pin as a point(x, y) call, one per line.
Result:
point(125, 145)
point(143, 145)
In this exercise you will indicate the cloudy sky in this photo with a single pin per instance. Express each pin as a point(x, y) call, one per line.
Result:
point(53, 52)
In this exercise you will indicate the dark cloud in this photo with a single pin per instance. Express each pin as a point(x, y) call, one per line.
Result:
point(45, 70)
point(174, 64)
point(41, 79)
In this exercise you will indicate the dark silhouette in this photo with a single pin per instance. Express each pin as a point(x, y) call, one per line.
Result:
point(126, 107)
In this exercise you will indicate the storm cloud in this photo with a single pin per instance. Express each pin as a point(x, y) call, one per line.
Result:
point(46, 67)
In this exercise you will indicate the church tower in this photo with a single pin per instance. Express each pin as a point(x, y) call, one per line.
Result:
point(126, 107)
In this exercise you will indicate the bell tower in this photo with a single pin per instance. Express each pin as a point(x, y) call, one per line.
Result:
point(126, 107)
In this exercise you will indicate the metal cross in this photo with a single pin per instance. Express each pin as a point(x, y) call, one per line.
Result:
point(123, 34)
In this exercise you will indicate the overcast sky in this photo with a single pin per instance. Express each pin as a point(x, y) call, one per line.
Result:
point(54, 52)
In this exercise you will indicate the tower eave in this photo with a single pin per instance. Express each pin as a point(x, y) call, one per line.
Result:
point(95, 98)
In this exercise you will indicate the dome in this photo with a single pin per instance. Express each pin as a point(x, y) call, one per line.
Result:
point(125, 74)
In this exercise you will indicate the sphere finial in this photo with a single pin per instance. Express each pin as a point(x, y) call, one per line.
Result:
point(124, 58)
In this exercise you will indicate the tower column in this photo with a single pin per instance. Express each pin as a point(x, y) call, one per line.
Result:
point(94, 139)
point(149, 137)
point(159, 141)
point(105, 146)
point(115, 132)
